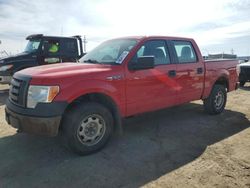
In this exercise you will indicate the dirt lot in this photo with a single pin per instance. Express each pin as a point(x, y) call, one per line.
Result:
point(176, 147)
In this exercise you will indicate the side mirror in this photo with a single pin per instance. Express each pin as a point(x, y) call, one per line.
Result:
point(143, 62)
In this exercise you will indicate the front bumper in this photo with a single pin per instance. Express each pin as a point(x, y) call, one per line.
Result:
point(35, 125)
point(45, 119)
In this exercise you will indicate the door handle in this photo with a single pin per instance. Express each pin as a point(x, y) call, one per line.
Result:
point(199, 70)
point(172, 73)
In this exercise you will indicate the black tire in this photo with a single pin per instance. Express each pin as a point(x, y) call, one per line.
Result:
point(242, 83)
point(82, 121)
point(216, 101)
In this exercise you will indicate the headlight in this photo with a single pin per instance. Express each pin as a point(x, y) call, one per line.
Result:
point(5, 67)
point(41, 94)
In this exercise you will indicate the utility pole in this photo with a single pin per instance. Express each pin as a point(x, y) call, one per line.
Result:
point(84, 43)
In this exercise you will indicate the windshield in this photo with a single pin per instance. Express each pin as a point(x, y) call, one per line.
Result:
point(110, 52)
point(32, 45)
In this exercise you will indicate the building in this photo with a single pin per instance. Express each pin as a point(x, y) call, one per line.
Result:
point(222, 56)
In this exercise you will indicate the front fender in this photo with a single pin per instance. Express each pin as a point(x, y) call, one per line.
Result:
point(115, 90)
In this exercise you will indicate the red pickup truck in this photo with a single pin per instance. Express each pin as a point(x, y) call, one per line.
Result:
point(120, 78)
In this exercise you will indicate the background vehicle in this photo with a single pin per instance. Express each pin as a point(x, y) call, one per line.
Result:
point(244, 73)
point(118, 79)
point(41, 50)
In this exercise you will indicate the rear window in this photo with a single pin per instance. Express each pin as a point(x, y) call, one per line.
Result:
point(185, 52)
point(71, 46)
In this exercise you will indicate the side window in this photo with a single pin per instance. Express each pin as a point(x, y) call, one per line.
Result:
point(156, 48)
point(53, 46)
point(185, 52)
point(71, 46)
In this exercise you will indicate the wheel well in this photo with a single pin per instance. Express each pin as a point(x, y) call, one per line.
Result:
point(105, 101)
point(222, 81)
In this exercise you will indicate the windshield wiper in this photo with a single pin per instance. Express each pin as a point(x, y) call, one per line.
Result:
point(91, 61)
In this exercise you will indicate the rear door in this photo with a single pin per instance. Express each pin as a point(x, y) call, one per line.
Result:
point(189, 71)
point(151, 89)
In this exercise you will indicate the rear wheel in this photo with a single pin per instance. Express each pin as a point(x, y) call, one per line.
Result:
point(88, 127)
point(216, 101)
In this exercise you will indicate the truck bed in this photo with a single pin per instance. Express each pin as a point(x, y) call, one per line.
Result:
point(225, 67)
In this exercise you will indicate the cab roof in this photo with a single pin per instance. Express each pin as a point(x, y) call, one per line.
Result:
point(39, 36)
point(154, 37)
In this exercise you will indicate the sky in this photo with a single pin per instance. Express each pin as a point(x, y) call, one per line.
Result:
point(218, 26)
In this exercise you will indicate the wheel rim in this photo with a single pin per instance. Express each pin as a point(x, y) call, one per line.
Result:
point(219, 100)
point(91, 130)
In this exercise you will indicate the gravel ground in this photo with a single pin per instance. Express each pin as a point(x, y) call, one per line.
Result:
point(176, 147)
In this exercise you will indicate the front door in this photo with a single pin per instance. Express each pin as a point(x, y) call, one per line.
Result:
point(151, 89)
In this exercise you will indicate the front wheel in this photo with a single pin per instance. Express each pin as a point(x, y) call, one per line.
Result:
point(87, 127)
point(216, 101)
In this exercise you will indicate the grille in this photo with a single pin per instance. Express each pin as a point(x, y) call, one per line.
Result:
point(246, 71)
point(18, 90)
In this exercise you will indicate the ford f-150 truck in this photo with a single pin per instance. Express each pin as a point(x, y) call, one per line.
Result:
point(119, 78)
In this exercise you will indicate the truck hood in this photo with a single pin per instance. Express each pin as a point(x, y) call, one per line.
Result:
point(247, 64)
point(14, 58)
point(64, 70)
